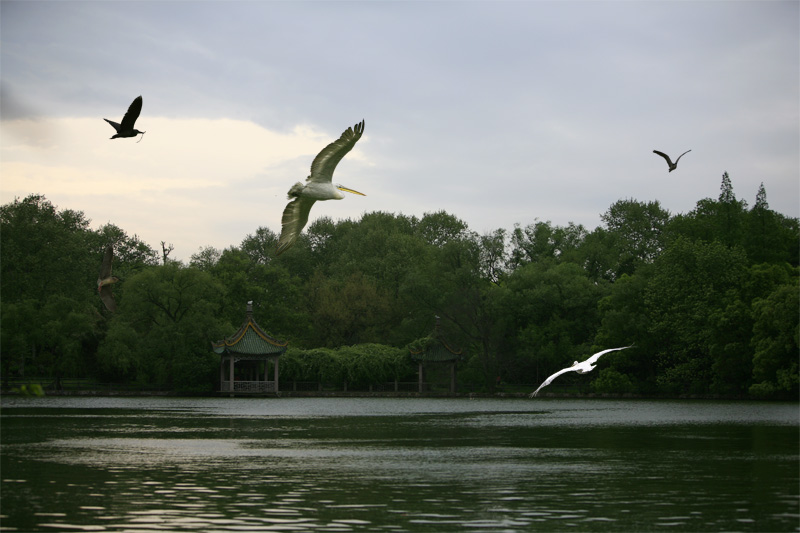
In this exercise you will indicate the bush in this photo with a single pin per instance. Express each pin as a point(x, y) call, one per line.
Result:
point(609, 381)
point(196, 373)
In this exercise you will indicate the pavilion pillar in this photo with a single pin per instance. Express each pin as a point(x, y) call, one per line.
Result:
point(232, 382)
point(420, 377)
point(221, 372)
point(276, 375)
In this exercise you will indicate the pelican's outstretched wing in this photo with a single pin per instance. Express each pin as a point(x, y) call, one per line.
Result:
point(325, 163)
point(593, 359)
point(108, 298)
point(665, 156)
point(133, 113)
point(683, 154)
point(294, 220)
point(114, 125)
point(105, 272)
point(549, 380)
point(108, 257)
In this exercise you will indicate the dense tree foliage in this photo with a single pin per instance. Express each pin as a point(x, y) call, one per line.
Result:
point(708, 299)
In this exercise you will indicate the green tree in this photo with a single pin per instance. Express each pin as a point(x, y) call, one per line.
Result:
point(277, 294)
point(48, 291)
point(164, 327)
point(770, 237)
point(344, 312)
point(452, 283)
point(46, 252)
point(206, 258)
point(776, 338)
point(440, 228)
point(625, 321)
point(541, 241)
point(721, 220)
point(493, 255)
point(637, 233)
point(692, 283)
point(554, 315)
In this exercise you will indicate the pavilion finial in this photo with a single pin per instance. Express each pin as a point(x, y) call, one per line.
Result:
point(250, 309)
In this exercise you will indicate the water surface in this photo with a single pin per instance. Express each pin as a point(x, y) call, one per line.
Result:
point(399, 464)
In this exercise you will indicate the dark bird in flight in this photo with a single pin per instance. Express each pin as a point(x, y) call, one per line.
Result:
point(105, 280)
point(126, 129)
point(318, 186)
point(672, 166)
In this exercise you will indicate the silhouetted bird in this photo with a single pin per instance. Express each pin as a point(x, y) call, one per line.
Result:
point(105, 280)
point(318, 186)
point(126, 129)
point(672, 166)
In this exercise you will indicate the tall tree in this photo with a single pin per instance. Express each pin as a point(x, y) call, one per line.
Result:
point(553, 315)
point(542, 241)
point(637, 233)
point(691, 283)
point(48, 286)
point(164, 327)
point(768, 237)
point(776, 335)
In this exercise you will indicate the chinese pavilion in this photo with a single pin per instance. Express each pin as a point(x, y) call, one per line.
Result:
point(244, 354)
point(434, 350)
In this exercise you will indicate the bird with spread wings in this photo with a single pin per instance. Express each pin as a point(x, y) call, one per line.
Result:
point(105, 280)
point(318, 186)
point(672, 166)
point(580, 368)
point(126, 129)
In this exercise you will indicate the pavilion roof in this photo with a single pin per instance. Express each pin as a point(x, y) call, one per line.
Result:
point(250, 339)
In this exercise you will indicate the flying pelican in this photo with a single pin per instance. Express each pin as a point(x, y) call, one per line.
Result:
point(672, 166)
point(126, 129)
point(580, 368)
point(318, 186)
point(105, 280)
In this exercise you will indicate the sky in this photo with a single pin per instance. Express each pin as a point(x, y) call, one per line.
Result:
point(497, 112)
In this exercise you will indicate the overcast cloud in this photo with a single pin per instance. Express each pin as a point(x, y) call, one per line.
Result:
point(497, 112)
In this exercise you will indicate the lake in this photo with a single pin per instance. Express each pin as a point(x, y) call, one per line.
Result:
point(397, 464)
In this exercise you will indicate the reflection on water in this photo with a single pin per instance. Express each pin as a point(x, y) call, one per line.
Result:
point(94, 464)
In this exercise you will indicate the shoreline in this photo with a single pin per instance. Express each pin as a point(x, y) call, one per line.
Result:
point(393, 394)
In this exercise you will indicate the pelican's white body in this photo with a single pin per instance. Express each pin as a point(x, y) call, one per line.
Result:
point(581, 368)
point(315, 190)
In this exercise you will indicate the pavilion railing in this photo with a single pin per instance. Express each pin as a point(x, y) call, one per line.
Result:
point(249, 386)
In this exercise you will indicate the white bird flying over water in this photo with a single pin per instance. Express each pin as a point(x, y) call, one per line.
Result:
point(580, 368)
point(318, 186)
point(672, 166)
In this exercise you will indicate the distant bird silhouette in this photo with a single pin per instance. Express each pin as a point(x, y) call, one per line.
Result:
point(580, 368)
point(672, 166)
point(126, 129)
point(318, 186)
point(105, 280)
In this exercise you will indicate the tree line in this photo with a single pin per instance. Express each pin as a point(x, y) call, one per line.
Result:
point(709, 299)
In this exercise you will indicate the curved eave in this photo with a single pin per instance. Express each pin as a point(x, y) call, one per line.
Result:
point(250, 339)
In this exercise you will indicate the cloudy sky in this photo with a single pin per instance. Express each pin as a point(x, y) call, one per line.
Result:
point(499, 112)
